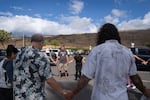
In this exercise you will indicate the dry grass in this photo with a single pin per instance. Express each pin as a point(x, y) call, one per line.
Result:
point(139, 37)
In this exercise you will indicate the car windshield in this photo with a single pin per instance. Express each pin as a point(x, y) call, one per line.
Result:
point(55, 50)
point(2, 52)
point(144, 51)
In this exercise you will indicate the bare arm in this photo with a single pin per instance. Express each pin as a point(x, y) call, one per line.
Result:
point(139, 84)
point(57, 57)
point(52, 82)
point(83, 60)
point(51, 58)
point(81, 84)
point(67, 58)
point(139, 58)
point(71, 61)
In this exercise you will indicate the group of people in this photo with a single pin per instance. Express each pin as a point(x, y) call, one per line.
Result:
point(62, 60)
point(109, 64)
point(142, 61)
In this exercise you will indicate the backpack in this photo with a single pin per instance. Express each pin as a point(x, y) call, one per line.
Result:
point(4, 80)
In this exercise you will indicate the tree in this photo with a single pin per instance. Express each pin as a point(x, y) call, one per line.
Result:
point(54, 42)
point(4, 36)
point(147, 44)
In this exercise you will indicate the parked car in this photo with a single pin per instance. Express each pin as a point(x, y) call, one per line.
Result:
point(70, 52)
point(144, 53)
point(53, 53)
point(2, 54)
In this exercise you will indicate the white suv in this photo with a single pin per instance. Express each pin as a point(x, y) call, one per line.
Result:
point(55, 51)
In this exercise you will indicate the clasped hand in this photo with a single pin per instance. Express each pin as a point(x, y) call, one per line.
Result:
point(68, 94)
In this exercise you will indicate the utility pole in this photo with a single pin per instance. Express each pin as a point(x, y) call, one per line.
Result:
point(23, 40)
point(132, 40)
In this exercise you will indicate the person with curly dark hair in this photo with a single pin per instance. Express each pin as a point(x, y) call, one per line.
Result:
point(109, 64)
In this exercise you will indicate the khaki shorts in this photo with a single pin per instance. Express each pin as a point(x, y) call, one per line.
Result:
point(62, 66)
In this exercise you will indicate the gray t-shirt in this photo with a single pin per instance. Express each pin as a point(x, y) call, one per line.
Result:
point(110, 64)
point(62, 56)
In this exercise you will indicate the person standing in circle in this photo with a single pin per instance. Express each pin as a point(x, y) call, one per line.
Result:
point(6, 73)
point(63, 60)
point(31, 70)
point(79, 60)
point(109, 64)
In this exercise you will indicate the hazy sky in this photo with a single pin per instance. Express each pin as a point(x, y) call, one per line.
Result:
point(55, 17)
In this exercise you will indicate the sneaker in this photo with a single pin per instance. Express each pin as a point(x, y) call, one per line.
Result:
point(133, 87)
point(128, 86)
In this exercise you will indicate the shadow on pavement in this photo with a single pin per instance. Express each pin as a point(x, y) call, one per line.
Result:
point(84, 94)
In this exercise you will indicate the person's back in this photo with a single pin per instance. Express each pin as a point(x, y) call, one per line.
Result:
point(113, 63)
point(109, 64)
point(29, 70)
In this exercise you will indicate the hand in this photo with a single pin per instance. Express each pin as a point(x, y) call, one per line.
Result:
point(147, 93)
point(68, 94)
point(54, 62)
point(67, 63)
point(144, 62)
point(70, 62)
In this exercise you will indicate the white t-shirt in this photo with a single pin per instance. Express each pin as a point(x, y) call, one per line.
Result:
point(2, 75)
point(109, 64)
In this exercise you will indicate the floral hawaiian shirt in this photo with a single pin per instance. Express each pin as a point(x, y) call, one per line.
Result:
point(31, 69)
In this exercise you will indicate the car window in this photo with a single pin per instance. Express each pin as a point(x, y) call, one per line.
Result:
point(144, 51)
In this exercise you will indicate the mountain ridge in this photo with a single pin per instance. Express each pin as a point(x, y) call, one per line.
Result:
point(139, 37)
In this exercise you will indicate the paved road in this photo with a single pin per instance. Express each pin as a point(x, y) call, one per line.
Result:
point(70, 83)
point(145, 76)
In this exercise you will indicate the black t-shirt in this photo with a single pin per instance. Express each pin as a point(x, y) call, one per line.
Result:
point(78, 59)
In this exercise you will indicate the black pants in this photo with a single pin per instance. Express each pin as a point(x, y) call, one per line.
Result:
point(78, 71)
point(6, 94)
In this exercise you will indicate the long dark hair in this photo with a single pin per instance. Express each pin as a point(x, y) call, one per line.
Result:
point(107, 32)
